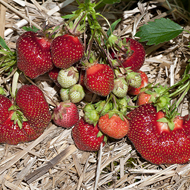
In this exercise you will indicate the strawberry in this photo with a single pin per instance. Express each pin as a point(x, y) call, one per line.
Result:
point(53, 74)
point(155, 140)
point(66, 50)
point(5, 104)
point(113, 126)
point(86, 136)
point(65, 114)
point(144, 82)
point(120, 87)
point(31, 101)
point(33, 54)
point(143, 98)
point(131, 53)
point(11, 130)
point(99, 79)
point(136, 55)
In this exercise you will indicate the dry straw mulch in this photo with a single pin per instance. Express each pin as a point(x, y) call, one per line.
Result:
point(52, 161)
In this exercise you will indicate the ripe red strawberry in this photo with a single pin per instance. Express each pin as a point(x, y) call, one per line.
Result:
point(31, 101)
point(66, 50)
point(53, 74)
point(5, 104)
point(144, 82)
point(113, 126)
point(85, 136)
point(99, 79)
point(65, 114)
point(132, 54)
point(136, 55)
point(33, 54)
point(154, 140)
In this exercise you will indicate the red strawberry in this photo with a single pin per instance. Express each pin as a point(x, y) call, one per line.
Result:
point(85, 136)
point(113, 126)
point(154, 140)
point(31, 101)
point(10, 131)
point(5, 104)
point(99, 79)
point(33, 54)
point(65, 114)
point(136, 55)
point(53, 74)
point(66, 50)
point(143, 98)
point(144, 82)
point(132, 54)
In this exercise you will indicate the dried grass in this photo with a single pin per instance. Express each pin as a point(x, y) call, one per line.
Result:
point(52, 161)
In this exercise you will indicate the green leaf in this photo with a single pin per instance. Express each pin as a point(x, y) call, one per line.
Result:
point(110, 1)
point(113, 25)
point(3, 44)
point(33, 28)
point(159, 31)
point(68, 16)
point(163, 120)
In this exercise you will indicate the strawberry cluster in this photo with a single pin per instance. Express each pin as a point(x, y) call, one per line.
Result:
point(106, 68)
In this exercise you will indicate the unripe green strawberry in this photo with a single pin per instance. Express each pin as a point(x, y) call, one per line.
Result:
point(120, 87)
point(68, 77)
point(134, 79)
point(90, 114)
point(76, 93)
point(64, 93)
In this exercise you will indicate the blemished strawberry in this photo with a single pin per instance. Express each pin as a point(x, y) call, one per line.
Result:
point(143, 98)
point(86, 137)
point(132, 54)
point(154, 140)
point(66, 50)
point(113, 126)
point(53, 74)
point(120, 87)
point(31, 101)
point(144, 82)
point(99, 79)
point(33, 54)
point(65, 114)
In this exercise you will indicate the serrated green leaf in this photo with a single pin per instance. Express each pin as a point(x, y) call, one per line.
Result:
point(113, 25)
point(3, 44)
point(159, 31)
point(111, 1)
point(33, 28)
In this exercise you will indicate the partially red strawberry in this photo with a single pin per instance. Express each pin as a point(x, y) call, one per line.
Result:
point(86, 137)
point(99, 79)
point(31, 101)
point(154, 140)
point(33, 54)
point(113, 126)
point(144, 82)
point(66, 50)
point(53, 74)
point(65, 114)
point(143, 98)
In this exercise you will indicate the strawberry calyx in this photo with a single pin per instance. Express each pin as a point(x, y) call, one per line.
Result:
point(17, 116)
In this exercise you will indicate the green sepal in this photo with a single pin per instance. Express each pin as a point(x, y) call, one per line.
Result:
point(33, 28)
point(99, 134)
point(169, 122)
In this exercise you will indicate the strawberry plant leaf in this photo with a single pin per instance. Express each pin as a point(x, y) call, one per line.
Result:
point(159, 31)
point(113, 25)
point(33, 28)
point(3, 44)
